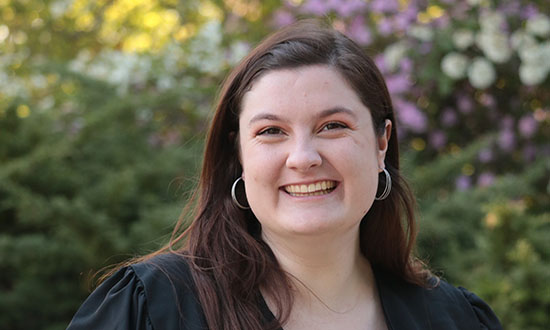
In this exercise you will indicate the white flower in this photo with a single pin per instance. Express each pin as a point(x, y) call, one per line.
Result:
point(238, 50)
point(494, 45)
point(172, 57)
point(545, 52)
point(212, 31)
point(521, 39)
point(454, 65)
point(58, 8)
point(481, 73)
point(205, 49)
point(165, 83)
point(535, 64)
point(46, 103)
point(98, 70)
point(492, 21)
point(393, 55)
point(81, 60)
point(4, 32)
point(39, 81)
point(421, 32)
point(463, 39)
point(539, 25)
point(536, 54)
point(474, 2)
point(531, 74)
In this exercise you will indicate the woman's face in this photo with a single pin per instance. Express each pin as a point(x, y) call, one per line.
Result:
point(309, 153)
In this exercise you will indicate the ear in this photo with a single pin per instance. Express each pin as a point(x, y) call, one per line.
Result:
point(383, 142)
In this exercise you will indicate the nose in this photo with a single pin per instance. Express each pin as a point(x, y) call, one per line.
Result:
point(303, 156)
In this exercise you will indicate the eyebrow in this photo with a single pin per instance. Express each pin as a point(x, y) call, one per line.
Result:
point(322, 114)
point(335, 110)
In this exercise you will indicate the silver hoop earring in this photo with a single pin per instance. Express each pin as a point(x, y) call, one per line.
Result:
point(387, 188)
point(234, 195)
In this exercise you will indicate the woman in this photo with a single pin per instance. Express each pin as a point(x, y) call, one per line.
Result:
point(302, 219)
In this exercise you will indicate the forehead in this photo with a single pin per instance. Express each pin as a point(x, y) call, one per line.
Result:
point(309, 87)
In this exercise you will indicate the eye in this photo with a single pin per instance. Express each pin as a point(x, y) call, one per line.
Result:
point(333, 125)
point(270, 131)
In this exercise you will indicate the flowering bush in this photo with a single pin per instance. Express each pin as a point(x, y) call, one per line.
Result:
point(457, 71)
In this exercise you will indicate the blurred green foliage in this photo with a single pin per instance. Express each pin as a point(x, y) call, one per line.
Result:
point(74, 199)
point(103, 109)
point(492, 240)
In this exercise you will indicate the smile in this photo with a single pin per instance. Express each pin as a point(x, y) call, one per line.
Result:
point(312, 189)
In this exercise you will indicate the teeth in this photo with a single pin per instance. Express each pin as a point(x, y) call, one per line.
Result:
point(312, 189)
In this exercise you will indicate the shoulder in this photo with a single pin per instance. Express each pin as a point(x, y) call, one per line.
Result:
point(170, 291)
point(163, 271)
point(440, 307)
point(119, 302)
point(157, 293)
point(451, 303)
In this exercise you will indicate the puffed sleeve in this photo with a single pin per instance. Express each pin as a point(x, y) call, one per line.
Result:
point(487, 318)
point(118, 303)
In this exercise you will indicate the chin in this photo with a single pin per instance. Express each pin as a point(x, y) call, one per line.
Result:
point(312, 226)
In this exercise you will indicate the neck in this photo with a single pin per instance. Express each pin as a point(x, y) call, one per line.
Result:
point(329, 271)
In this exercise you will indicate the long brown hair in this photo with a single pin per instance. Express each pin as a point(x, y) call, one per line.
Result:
point(228, 259)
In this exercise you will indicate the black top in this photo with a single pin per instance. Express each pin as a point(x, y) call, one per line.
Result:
point(160, 294)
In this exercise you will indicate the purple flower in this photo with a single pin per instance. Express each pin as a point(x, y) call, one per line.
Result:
point(463, 183)
point(485, 155)
point(459, 11)
point(411, 12)
point(410, 116)
point(385, 27)
point(529, 11)
point(398, 83)
point(380, 63)
point(507, 123)
point(438, 139)
point(507, 140)
point(359, 31)
point(406, 65)
point(487, 100)
point(529, 152)
point(401, 132)
point(384, 6)
point(486, 179)
point(510, 8)
point(316, 7)
point(403, 22)
point(346, 8)
point(449, 117)
point(283, 18)
point(425, 47)
point(527, 126)
point(465, 103)
point(442, 22)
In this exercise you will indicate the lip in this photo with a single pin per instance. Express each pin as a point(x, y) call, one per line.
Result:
point(310, 188)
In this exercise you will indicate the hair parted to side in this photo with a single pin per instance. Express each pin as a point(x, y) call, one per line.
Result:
point(223, 245)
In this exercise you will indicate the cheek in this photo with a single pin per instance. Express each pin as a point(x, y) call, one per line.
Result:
point(260, 167)
point(360, 163)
